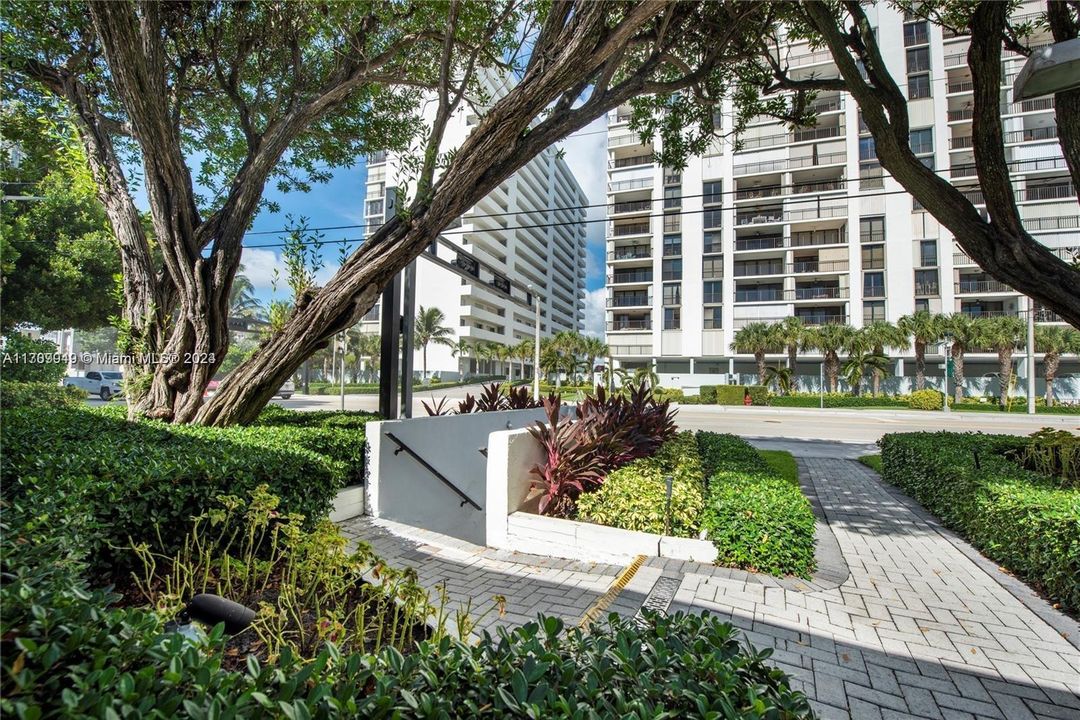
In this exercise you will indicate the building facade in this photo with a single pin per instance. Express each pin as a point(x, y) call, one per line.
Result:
point(806, 223)
point(522, 243)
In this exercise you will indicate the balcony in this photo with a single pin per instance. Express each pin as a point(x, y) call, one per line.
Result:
point(635, 206)
point(827, 106)
point(632, 161)
point(816, 213)
point(771, 242)
point(759, 295)
point(712, 298)
point(1057, 191)
point(828, 292)
point(817, 133)
point(816, 266)
point(962, 86)
point(631, 229)
point(630, 277)
point(1061, 222)
point(959, 258)
point(1016, 166)
point(962, 114)
point(764, 191)
point(632, 252)
point(873, 292)
point(759, 217)
point(813, 238)
point(375, 158)
point(773, 166)
point(715, 247)
point(1049, 132)
point(813, 57)
point(626, 185)
point(621, 300)
point(1034, 105)
point(672, 178)
point(819, 187)
point(813, 319)
point(620, 140)
point(750, 269)
point(931, 289)
point(968, 287)
point(630, 325)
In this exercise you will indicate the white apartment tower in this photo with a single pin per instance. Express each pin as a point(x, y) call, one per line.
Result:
point(806, 223)
point(527, 232)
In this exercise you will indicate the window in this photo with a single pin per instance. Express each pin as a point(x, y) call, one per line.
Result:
point(921, 141)
point(672, 318)
point(374, 207)
point(874, 284)
point(918, 86)
point(871, 176)
point(918, 60)
point(928, 253)
point(672, 223)
point(712, 243)
point(867, 151)
point(672, 293)
point(873, 311)
point(712, 218)
point(714, 318)
point(873, 257)
point(922, 305)
point(712, 193)
point(713, 291)
point(926, 282)
point(93, 376)
point(672, 269)
point(672, 245)
point(712, 268)
point(915, 34)
point(872, 229)
point(672, 197)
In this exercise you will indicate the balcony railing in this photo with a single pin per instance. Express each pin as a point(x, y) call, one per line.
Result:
point(812, 238)
point(631, 161)
point(752, 269)
point(825, 106)
point(635, 184)
point(962, 114)
point(817, 266)
point(1016, 166)
point(635, 324)
point(376, 158)
point(817, 133)
point(1061, 222)
point(932, 289)
point(981, 286)
point(821, 293)
point(808, 58)
point(759, 295)
point(960, 87)
point(962, 259)
point(634, 229)
point(639, 276)
point(1049, 192)
point(760, 243)
point(712, 248)
point(816, 187)
point(956, 59)
point(1034, 105)
point(757, 217)
point(813, 213)
point(1049, 132)
point(634, 252)
point(712, 298)
point(771, 166)
point(620, 140)
point(960, 143)
point(759, 192)
point(815, 319)
point(640, 300)
point(629, 207)
point(873, 291)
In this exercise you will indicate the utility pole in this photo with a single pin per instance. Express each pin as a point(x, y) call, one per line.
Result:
point(1030, 305)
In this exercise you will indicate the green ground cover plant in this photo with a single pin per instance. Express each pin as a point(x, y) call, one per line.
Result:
point(39, 394)
point(733, 394)
point(634, 497)
point(926, 400)
point(1026, 521)
point(757, 519)
point(837, 400)
point(783, 464)
point(872, 461)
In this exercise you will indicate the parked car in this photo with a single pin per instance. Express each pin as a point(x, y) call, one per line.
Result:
point(284, 392)
point(105, 384)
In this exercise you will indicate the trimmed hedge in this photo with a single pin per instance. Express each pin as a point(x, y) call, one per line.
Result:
point(927, 399)
point(837, 400)
point(83, 658)
point(733, 394)
point(117, 482)
point(634, 497)
point(757, 520)
point(1020, 519)
point(39, 394)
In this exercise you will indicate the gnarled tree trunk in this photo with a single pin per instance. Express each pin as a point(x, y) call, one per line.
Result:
point(1051, 361)
point(1005, 373)
point(920, 365)
point(958, 372)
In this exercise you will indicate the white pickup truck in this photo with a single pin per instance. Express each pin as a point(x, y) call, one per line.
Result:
point(104, 384)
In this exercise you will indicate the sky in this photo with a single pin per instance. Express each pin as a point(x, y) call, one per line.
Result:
point(341, 202)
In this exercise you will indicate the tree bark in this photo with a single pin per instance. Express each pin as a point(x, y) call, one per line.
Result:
point(1005, 371)
point(1050, 367)
point(1001, 246)
point(958, 372)
point(920, 365)
point(760, 358)
point(832, 370)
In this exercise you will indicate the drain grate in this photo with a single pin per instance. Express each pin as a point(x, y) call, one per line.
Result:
point(660, 597)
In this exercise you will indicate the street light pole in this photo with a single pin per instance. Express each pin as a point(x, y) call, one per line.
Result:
point(948, 347)
point(1030, 305)
point(536, 346)
point(821, 383)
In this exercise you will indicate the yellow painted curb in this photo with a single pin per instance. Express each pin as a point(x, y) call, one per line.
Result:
point(604, 601)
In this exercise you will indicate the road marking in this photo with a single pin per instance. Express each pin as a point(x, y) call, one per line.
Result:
point(604, 601)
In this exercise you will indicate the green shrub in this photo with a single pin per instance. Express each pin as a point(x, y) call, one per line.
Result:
point(118, 481)
point(1055, 453)
point(782, 463)
point(39, 394)
point(837, 400)
point(671, 394)
point(634, 497)
point(872, 461)
point(926, 400)
point(28, 360)
point(734, 394)
point(1017, 517)
point(757, 520)
point(707, 394)
point(759, 394)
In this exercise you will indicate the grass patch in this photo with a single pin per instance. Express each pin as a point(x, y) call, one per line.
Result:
point(783, 464)
point(872, 461)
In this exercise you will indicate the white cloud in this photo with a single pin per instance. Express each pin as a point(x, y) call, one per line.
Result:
point(259, 267)
point(594, 312)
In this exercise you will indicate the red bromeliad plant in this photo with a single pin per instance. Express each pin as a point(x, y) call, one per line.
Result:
point(570, 462)
point(609, 431)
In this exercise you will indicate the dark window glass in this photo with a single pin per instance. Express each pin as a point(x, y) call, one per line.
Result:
point(672, 293)
point(918, 60)
point(672, 318)
point(918, 86)
point(872, 229)
point(712, 193)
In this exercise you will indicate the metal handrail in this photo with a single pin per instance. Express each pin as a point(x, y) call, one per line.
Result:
point(427, 466)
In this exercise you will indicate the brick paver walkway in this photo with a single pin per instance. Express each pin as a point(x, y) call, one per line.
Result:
point(923, 627)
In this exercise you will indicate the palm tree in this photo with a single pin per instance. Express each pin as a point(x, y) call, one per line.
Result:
point(523, 352)
point(859, 362)
point(1054, 341)
point(242, 300)
point(782, 377)
point(829, 339)
point(925, 329)
point(565, 347)
point(505, 354)
point(646, 374)
point(1001, 334)
point(788, 333)
point(880, 336)
point(593, 348)
point(963, 330)
point(483, 350)
point(429, 328)
point(754, 338)
point(461, 350)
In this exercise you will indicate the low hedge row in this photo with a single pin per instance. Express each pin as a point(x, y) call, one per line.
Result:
point(1020, 519)
point(39, 394)
point(634, 497)
point(83, 658)
point(837, 400)
point(115, 482)
point(733, 394)
point(757, 520)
